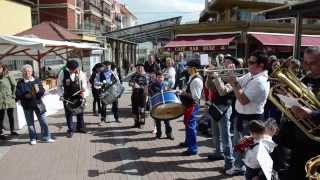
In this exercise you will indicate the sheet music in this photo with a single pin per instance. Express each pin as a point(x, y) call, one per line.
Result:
point(289, 101)
point(265, 161)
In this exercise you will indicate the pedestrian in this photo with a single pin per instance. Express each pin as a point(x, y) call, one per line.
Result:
point(7, 101)
point(29, 92)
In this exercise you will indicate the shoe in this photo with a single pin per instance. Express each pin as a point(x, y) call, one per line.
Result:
point(96, 114)
point(118, 121)
point(82, 131)
point(49, 141)
point(170, 137)
point(69, 134)
point(3, 137)
point(188, 153)
point(101, 123)
point(158, 137)
point(33, 142)
point(215, 157)
point(234, 171)
point(182, 145)
point(154, 131)
point(13, 133)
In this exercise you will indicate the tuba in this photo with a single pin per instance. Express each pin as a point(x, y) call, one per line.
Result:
point(312, 168)
point(287, 83)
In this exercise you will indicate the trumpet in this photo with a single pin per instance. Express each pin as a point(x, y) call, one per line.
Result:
point(225, 72)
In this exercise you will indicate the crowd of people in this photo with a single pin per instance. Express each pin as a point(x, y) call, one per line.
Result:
point(242, 119)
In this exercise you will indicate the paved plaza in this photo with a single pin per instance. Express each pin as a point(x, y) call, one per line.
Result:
point(112, 151)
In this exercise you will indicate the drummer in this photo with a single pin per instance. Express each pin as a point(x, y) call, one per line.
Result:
point(139, 84)
point(157, 87)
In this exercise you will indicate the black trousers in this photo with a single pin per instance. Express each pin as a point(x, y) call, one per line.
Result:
point(114, 110)
point(167, 126)
point(10, 117)
point(138, 101)
point(96, 102)
point(69, 117)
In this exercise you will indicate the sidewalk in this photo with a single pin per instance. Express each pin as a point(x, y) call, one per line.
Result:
point(112, 151)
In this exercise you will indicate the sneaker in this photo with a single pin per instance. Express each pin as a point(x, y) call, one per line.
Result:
point(182, 145)
point(234, 171)
point(49, 141)
point(13, 133)
point(82, 131)
point(69, 134)
point(215, 157)
point(33, 142)
point(171, 137)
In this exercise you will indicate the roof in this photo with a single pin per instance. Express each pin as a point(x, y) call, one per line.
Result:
point(275, 39)
point(50, 31)
point(147, 32)
point(307, 8)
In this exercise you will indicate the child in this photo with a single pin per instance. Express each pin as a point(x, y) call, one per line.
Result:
point(261, 134)
point(156, 87)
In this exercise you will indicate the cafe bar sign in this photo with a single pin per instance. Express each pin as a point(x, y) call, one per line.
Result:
point(195, 48)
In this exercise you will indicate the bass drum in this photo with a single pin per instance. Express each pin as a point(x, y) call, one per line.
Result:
point(75, 104)
point(166, 106)
point(112, 93)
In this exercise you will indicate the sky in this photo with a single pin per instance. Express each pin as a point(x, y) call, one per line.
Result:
point(154, 10)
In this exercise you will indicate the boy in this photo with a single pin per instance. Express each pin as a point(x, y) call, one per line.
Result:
point(157, 87)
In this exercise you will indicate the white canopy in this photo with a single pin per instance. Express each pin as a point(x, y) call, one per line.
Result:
point(37, 48)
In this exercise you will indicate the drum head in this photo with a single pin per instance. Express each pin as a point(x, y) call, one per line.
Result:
point(167, 111)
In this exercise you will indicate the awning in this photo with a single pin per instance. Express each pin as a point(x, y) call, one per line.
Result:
point(37, 48)
point(198, 43)
point(274, 39)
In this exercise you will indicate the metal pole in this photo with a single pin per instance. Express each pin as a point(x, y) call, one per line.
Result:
point(38, 9)
point(297, 33)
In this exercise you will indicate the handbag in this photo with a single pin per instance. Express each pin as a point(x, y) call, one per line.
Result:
point(215, 112)
point(41, 107)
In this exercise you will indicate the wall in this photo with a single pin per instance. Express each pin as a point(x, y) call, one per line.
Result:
point(14, 17)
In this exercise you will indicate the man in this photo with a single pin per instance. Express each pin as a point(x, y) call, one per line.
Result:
point(72, 83)
point(139, 85)
point(191, 100)
point(151, 65)
point(105, 79)
point(221, 127)
point(157, 87)
point(302, 147)
point(251, 91)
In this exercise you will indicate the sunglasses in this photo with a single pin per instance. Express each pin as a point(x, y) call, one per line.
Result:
point(251, 62)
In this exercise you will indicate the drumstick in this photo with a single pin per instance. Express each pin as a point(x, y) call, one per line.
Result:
point(67, 101)
point(76, 92)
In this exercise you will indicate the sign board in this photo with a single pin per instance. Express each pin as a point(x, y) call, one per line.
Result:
point(204, 59)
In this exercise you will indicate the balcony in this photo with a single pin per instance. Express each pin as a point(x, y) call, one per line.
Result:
point(117, 17)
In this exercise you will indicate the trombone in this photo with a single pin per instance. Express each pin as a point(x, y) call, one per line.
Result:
point(223, 73)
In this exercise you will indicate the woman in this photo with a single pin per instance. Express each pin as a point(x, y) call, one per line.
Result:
point(29, 92)
point(170, 73)
point(95, 92)
point(7, 99)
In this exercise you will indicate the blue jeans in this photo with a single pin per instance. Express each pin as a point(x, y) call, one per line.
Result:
point(45, 134)
point(191, 132)
point(222, 137)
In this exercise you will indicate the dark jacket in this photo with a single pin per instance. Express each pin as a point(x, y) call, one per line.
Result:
point(24, 89)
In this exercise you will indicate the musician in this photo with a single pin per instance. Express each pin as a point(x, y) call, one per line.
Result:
point(72, 83)
point(158, 87)
point(139, 83)
point(105, 79)
point(221, 127)
point(302, 147)
point(96, 92)
point(30, 91)
point(191, 100)
point(251, 91)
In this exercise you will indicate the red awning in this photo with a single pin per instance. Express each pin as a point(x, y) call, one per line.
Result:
point(273, 39)
point(208, 40)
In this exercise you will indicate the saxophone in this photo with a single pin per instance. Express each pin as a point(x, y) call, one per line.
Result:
point(312, 168)
point(288, 84)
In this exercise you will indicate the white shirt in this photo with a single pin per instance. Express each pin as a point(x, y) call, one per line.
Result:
point(250, 158)
point(82, 78)
point(256, 88)
point(196, 87)
point(171, 75)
